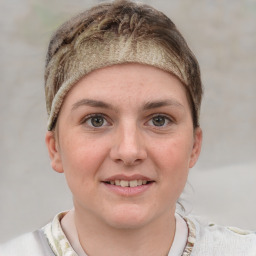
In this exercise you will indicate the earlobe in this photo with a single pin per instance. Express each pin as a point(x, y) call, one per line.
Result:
point(196, 147)
point(53, 151)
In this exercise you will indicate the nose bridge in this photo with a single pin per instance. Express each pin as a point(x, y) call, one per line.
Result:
point(128, 145)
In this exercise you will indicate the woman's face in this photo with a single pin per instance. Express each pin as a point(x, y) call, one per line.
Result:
point(125, 141)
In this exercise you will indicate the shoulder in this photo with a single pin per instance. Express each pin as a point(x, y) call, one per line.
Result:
point(49, 240)
point(212, 239)
point(28, 244)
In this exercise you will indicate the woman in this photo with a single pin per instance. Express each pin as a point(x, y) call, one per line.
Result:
point(123, 94)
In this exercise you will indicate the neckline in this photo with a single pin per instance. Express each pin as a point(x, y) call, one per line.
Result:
point(60, 245)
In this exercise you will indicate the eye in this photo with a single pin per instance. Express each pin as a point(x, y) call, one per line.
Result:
point(96, 121)
point(159, 121)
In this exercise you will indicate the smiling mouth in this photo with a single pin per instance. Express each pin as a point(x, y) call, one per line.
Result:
point(128, 183)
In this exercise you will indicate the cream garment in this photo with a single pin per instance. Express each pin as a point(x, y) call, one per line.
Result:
point(180, 237)
point(31, 244)
point(69, 228)
point(179, 242)
point(203, 240)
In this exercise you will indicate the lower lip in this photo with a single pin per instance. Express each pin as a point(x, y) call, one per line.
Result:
point(128, 191)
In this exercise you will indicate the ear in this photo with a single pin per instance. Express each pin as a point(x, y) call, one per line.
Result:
point(54, 152)
point(198, 137)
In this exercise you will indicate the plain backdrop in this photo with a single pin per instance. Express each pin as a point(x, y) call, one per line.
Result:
point(221, 33)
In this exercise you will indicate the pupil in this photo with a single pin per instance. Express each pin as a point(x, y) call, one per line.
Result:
point(97, 121)
point(159, 120)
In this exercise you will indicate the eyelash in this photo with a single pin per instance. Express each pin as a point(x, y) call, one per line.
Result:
point(100, 115)
point(90, 118)
point(166, 119)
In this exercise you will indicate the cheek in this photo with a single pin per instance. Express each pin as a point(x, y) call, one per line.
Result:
point(81, 160)
point(172, 158)
point(174, 152)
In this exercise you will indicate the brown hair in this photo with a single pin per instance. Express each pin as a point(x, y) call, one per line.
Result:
point(101, 25)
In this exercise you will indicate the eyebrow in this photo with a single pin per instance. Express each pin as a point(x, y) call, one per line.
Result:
point(147, 106)
point(162, 103)
point(91, 103)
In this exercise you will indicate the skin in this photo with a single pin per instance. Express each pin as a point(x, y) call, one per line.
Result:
point(145, 129)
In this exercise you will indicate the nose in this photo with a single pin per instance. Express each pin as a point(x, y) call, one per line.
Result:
point(128, 145)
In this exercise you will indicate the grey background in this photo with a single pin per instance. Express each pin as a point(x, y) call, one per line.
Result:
point(222, 34)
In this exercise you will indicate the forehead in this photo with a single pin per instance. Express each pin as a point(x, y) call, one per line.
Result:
point(132, 82)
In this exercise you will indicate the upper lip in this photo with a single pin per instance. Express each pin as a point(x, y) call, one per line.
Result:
point(128, 178)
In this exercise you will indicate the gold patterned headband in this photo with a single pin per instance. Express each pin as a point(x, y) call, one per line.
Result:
point(90, 55)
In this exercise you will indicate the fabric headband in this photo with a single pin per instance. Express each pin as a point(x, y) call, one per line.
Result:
point(94, 54)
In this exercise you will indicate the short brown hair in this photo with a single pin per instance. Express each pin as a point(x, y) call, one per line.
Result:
point(126, 19)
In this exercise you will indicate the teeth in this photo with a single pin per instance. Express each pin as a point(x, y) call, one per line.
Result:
point(126, 183)
point(139, 182)
point(133, 183)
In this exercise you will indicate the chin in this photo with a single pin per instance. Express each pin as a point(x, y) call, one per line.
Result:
point(128, 217)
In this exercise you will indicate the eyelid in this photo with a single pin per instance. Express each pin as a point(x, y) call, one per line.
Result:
point(167, 117)
point(87, 117)
point(162, 115)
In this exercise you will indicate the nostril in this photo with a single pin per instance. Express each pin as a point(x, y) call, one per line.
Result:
point(128, 148)
point(130, 162)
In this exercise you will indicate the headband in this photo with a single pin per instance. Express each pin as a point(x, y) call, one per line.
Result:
point(89, 55)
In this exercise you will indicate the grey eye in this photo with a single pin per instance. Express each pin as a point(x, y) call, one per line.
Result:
point(97, 121)
point(159, 120)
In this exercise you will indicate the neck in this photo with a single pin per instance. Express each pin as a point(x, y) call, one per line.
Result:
point(152, 239)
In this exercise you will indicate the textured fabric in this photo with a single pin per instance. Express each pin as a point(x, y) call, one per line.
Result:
point(203, 240)
point(94, 55)
point(180, 238)
point(57, 239)
point(61, 245)
point(215, 240)
point(69, 228)
point(31, 244)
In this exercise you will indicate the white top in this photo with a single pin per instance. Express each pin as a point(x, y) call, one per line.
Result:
point(202, 240)
point(69, 228)
point(180, 237)
point(179, 242)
